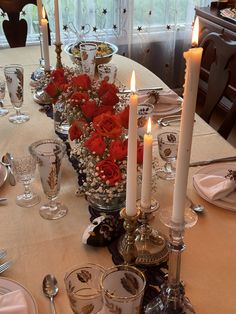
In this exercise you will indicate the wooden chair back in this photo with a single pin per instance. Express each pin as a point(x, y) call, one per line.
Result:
point(15, 29)
point(216, 81)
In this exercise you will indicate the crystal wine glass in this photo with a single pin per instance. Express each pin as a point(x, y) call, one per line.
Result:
point(14, 74)
point(49, 154)
point(24, 169)
point(168, 148)
point(3, 111)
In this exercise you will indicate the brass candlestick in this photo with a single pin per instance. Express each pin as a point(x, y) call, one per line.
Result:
point(127, 247)
point(58, 51)
point(150, 243)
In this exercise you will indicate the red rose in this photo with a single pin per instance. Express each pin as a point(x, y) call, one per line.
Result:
point(76, 129)
point(77, 98)
point(103, 109)
point(109, 172)
point(109, 98)
point(89, 108)
point(105, 87)
point(140, 153)
point(124, 117)
point(118, 149)
point(108, 125)
point(81, 81)
point(52, 90)
point(95, 144)
point(58, 76)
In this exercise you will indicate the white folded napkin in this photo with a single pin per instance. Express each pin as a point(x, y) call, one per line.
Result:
point(164, 98)
point(13, 303)
point(214, 187)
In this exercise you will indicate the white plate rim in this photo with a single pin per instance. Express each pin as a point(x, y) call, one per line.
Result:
point(219, 203)
point(32, 305)
point(4, 175)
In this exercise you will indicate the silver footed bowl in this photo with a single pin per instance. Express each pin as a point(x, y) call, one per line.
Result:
point(105, 51)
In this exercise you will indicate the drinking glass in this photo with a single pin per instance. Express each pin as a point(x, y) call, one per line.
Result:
point(168, 148)
point(83, 288)
point(3, 111)
point(88, 58)
point(14, 74)
point(49, 154)
point(24, 170)
point(122, 289)
point(107, 72)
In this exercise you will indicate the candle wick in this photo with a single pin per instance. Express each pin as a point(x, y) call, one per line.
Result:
point(194, 45)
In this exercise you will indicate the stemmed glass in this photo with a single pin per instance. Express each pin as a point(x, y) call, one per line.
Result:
point(49, 154)
point(14, 74)
point(168, 148)
point(3, 111)
point(24, 168)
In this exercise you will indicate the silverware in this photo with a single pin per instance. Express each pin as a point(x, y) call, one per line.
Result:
point(161, 122)
point(212, 161)
point(198, 208)
point(50, 290)
point(3, 253)
point(3, 199)
point(7, 161)
point(5, 266)
point(145, 89)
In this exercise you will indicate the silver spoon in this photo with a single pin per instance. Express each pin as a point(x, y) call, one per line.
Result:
point(198, 208)
point(3, 199)
point(168, 122)
point(6, 161)
point(50, 290)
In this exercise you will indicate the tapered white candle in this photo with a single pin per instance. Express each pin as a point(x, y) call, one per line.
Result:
point(131, 183)
point(57, 23)
point(146, 188)
point(193, 61)
point(40, 9)
point(44, 29)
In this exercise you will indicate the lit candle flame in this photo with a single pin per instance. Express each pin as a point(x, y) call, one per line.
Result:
point(43, 13)
point(132, 83)
point(149, 126)
point(195, 33)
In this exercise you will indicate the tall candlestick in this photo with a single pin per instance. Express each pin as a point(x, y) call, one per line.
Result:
point(146, 189)
point(131, 183)
point(57, 23)
point(40, 9)
point(193, 61)
point(44, 28)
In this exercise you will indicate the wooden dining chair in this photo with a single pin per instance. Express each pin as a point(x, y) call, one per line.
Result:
point(15, 29)
point(215, 89)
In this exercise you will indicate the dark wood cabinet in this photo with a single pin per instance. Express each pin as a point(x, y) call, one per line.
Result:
point(211, 21)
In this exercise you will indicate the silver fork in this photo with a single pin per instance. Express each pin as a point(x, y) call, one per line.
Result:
point(3, 253)
point(5, 266)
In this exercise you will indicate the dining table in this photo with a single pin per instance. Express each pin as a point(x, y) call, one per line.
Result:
point(38, 246)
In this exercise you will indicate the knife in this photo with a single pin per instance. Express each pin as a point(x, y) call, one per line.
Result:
point(208, 162)
point(145, 89)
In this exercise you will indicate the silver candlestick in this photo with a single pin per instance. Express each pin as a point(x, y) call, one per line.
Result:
point(172, 299)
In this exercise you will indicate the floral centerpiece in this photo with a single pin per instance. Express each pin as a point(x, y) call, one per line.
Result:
point(99, 134)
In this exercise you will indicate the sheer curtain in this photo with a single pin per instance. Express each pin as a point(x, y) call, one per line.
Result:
point(155, 32)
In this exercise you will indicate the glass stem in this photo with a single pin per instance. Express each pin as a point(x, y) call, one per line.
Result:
point(27, 191)
point(176, 247)
point(17, 111)
point(168, 166)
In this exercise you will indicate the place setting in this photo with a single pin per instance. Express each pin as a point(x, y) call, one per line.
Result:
point(97, 212)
